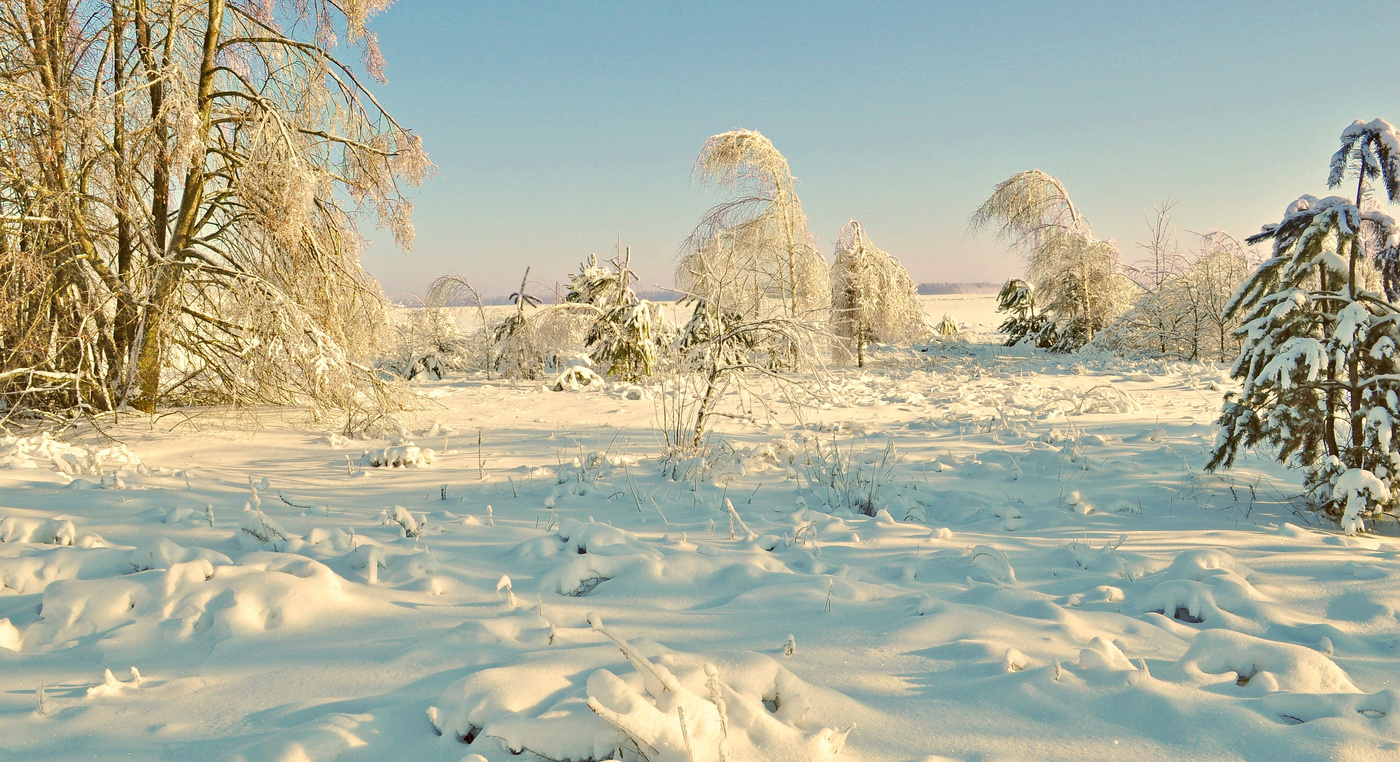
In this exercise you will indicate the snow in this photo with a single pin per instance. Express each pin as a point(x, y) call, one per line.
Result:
point(1046, 573)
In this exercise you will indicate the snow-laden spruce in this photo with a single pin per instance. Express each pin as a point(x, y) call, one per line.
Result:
point(1321, 379)
point(626, 337)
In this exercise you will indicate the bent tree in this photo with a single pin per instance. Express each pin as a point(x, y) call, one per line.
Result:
point(1319, 364)
point(1074, 275)
point(179, 181)
point(753, 254)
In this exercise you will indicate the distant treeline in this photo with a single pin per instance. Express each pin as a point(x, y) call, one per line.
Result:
point(413, 300)
point(671, 296)
point(958, 288)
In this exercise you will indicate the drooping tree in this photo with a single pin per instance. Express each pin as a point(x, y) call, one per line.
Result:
point(753, 254)
point(179, 182)
point(1319, 366)
point(872, 296)
point(1075, 275)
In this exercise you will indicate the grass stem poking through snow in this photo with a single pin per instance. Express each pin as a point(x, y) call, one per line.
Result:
point(734, 517)
point(656, 684)
point(685, 734)
point(504, 584)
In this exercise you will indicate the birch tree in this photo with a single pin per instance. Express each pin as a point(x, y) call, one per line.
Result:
point(872, 296)
point(1075, 276)
point(179, 185)
point(753, 254)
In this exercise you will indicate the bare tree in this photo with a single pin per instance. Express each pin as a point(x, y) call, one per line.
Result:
point(1221, 267)
point(1180, 310)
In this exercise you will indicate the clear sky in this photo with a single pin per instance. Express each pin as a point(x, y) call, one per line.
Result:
point(558, 127)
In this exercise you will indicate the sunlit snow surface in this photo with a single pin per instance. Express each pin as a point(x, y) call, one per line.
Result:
point(1051, 576)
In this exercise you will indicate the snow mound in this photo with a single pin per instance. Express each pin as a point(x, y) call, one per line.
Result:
point(1207, 585)
point(1102, 655)
point(571, 705)
point(1295, 708)
point(38, 531)
point(402, 455)
point(189, 601)
point(578, 378)
point(43, 451)
point(324, 738)
point(1267, 664)
point(1200, 563)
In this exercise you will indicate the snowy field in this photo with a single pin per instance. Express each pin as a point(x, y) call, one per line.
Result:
point(1049, 575)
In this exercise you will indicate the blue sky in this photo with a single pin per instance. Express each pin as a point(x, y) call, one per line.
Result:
point(558, 127)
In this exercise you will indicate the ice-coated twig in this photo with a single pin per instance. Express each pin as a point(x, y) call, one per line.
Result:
point(657, 684)
point(716, 698)
point(685, 734)
point(620, 722)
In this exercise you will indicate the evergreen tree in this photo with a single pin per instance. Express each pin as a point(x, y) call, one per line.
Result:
point(626, 337)
point(1319, 365)
point(1023, 323)
point(520, 353)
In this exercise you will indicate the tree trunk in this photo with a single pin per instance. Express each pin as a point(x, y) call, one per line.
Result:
point(124, 330)
point(170, 274)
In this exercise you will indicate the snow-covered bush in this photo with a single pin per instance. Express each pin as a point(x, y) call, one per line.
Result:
point(872, 296)
point(400, 455)
point(1319, 366)
point(718, 352)
point(426, 343)
point(576, 379)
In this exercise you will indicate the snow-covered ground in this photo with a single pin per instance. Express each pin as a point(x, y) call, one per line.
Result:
point(1050, 575)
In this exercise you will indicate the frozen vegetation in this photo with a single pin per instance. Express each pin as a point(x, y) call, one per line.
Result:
point(1046, 572)
point(248, 511)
